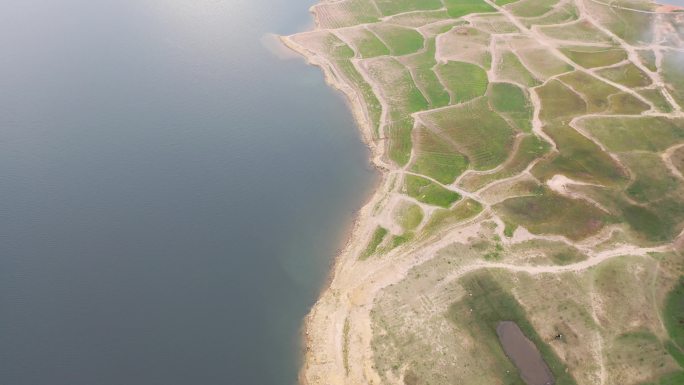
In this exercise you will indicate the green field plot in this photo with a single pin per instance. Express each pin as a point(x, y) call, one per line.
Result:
point(399, 134)
point(392, 7)
point(550, 213)
point(580, 30)
point(421, 65)
point(419, 19)
point(636, 357)
point(595, 92)
point(538, 60)
point(659, 222)
point(429, 192)
point(479, 133)
point(398, 87)
point(644, 133)
point(400, 40)
point(673, 316)
point(633, 27)
point(511, 102)
point(437, 158)
point(559, 102)
point(626, 104)
point(408, 215)
point(562, 14)
point(461, 211)
point(465, 81)
point(532, 8)
point(509, 68)
point(651, 179)
point(655, 96)
point(592, 57)
point(370, 100)
point(579, 159)
point(375, 241)
point(458, 8)
point(673, 73)
point(367, 44)
point(529, 149)
point(628, 75)
point(345, 13)
point(480, 312)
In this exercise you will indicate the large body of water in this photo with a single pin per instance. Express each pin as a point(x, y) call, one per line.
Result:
point(171, 193)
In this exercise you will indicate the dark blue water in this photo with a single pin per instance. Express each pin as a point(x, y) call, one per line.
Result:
point(171, 193)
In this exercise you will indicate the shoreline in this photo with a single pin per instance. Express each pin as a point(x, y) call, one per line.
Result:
point(361, 226)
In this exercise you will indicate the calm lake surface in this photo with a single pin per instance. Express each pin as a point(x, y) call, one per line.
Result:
point(172, 192)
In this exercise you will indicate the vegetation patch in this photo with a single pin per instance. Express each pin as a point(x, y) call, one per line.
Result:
point(594, 91)
point(408, 215)
point(628, 75)
point(531, 147)
point(512, 102)
point(400, 40)
point(479, 133)
point(550, 213)
point(429, 192)
point(558, 101)
point(592, 57)
point(486, 304)
point(375, 241)
point(644, 133)
point(392, 7)
point(465, 81)
point(458, 8)
point(436, 158)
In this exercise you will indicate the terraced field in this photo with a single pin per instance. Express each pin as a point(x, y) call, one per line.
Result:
point(532, 154)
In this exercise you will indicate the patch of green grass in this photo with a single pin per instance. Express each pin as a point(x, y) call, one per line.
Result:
point(558, 101)
point(375, 241)
point(392, 7)
point(400, 40)
point(673, 316)
point(461, 211)
point(429, 192)
point(348, 13)
point(531, 147)
point(369, 45)
point(370, 100)
point(532, 8)
point(579, 159)
point(628, 75)
point(592, 57)
point(480, 312)
point(580, 30)
point(626, 104)
point(479, 133)
point(421, 65)
point(656, 97)
point(399, 146)
point(550, 213)
point(510, 68)
point(645, 221)
point(408, 215)
point(652, 180)
point(436, 158)
point(644, 133)
point(466, 81)
point(512, 102)
point(595, 91)
point(458, 8)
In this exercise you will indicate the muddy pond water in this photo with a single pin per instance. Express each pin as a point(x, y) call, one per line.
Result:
point(524, 354)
